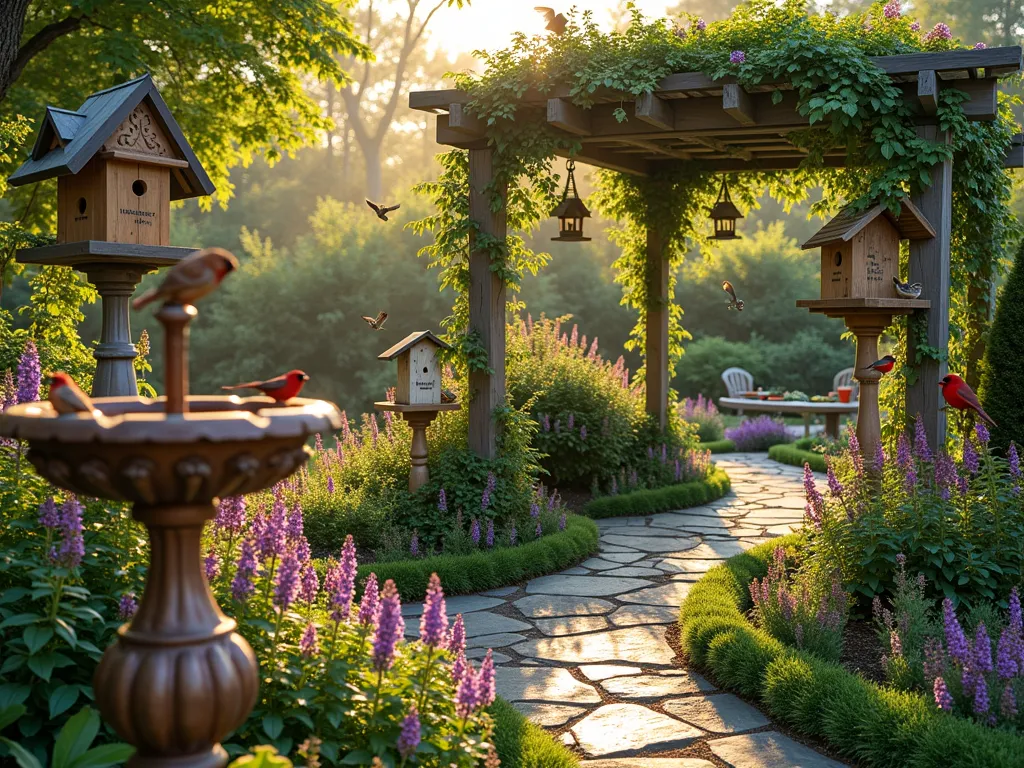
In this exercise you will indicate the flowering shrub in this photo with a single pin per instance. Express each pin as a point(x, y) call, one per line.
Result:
point(799, 612)
point(337, 669)
point(704, 413)
point(758, 434)
point(959, 521)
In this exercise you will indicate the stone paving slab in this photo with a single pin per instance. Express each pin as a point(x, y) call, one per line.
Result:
point(654, 543)
point(632, 615)
point(655, 687)
point(583, 586)
point(571, 625)
point(634, 570)
point(768, 749)
point(548, 715)
point(462, 604)
point(648, 762)
point(480, 623)
point(499, 592)
point(494, 641)
point(622, 557)
point(670, 595)
point(547, 606)
point(634, 645)
point(600, 564)
point(622, 730)
point(722, 713)
point(604, 671)
point(549, 684)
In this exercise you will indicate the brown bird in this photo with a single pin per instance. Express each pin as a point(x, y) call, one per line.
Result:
point(191, 278)
point(280, 388)
point(67, 397)
point(382, 211)
point(555, 22)
point(736, 304)
point(377, 323)
point(447, 396)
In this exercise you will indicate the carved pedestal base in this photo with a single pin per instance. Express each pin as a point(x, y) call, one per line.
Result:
point(115, 354)
point(419, 475)
point(179, 678)
point(867, 328)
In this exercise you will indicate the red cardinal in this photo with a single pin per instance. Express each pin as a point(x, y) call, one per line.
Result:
point(960, 396)
point(67, 397)
point(884, 365)
point(279, 388)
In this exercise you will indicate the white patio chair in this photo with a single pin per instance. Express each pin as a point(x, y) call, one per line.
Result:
point(737, 381)
point(845, 379)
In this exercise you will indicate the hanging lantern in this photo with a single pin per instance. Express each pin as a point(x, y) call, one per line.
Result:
point(571, 211)
point(724, 214)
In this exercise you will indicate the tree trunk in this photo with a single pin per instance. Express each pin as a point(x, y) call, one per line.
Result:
point(374, 178)
point(331, 100)
point(12, 22)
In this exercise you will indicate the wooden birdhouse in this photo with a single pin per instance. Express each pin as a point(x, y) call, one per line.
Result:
point(860, 251)
point(119, 159)
point(419, 370)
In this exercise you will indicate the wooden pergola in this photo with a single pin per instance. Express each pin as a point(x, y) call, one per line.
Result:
point(718, 126)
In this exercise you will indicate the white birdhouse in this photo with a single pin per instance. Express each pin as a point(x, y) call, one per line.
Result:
point(419, 369)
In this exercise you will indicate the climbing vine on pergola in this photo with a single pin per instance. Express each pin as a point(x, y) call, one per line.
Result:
point(868, 107)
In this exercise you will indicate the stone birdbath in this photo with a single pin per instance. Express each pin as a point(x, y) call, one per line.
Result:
point(179, 678)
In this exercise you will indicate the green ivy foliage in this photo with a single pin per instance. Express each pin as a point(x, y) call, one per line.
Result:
point(849, 103)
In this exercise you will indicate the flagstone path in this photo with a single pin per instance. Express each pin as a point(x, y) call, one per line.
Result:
point(583, 652)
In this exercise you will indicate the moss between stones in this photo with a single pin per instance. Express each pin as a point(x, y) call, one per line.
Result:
point(646, 502)
point(877, 726)
point(718, 446)
point(489, 569)
point(797, 454)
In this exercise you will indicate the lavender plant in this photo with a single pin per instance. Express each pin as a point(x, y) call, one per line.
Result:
point(703, 412)
point(758, 434)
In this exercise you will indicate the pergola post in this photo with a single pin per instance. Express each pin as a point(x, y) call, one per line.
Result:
point(486, 306)
point(656, 346)
point(929, 265)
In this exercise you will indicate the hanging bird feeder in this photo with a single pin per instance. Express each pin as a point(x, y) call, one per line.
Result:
point(724, 214)
point(571, 211)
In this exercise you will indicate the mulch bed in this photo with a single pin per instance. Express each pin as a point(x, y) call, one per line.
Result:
point(862, 651)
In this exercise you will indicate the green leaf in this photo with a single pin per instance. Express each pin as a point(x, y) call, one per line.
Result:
point(273, 725)
point(105, 756)
point(13, 594)
point(62, 699)
point(358, 757)
point(36, 637)
point(10, 713)
point(66, 632)
point(20, 620)
point(22, 756)
point(13, 693)
point(42, 665)
point(75, 737)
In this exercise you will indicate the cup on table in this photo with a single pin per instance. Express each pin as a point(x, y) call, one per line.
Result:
point(845, 393)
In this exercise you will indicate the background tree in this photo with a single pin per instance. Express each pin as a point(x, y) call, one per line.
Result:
point(1002, 385)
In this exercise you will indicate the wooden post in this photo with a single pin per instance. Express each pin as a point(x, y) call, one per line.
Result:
point(867, 329)
point(656, 345)
point(115, 354)
point(419, 475)
point(486, 307)
point(929, 265)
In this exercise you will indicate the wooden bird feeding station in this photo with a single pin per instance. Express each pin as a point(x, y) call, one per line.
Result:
point(571, 211)
point(119, 160)
point(724, 214)
point(860, 255)
point(417, 395)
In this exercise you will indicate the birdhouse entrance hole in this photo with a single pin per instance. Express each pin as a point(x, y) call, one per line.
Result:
point(139, 187)
point(81, 205)
point(839, 258)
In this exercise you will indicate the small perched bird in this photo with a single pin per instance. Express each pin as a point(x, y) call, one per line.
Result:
point(377, 323)
point(447, 396)
point(67, 397)
point(884, 365)
point(280, 388)
point(959, 395)
point(191, 278)
point(736, 304)
point(382, 211)
point(555, 21)
point(906, 290)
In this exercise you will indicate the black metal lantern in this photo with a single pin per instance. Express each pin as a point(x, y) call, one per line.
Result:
point(571, 211)
point(724, 214)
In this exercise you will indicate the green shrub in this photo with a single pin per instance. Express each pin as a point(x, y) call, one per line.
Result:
point(791, 453)
point(649, 501)
point(521, 744)
point(718, 446)
point(703, 413)
point(1002, 383)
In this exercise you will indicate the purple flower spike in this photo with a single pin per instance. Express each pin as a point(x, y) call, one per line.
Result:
point(490, 534)
point(309, 644)
point(981, 431)
point(512, 535)
point(562, 521)
point(309, 585)
point(343, 585)
point(242, 586)
point(1007, 654)
point(330, 484)
point(457, 636)
point(737, 57)
point(1008, 702)
point(982, 649)
point(442, 501)
point(466, 693)
point(892, 10)
point(72, 548)
point(982, 47)
point(921, 449)
point(29, 374)
point(814, 498)
point(539, 531)
point(981, 701)
point(409, 738)
point(583, 432)
point(943, 699)
point(879, 458)
point(700, 25)
point(474, 532)
point(915, 26)
point(287, 581)
point(370, 604)
point(211, 565)
point(834, 486)
point(571, 421)
point(434, 621)
point(49, 517)
point(956, 640)
point(1015, 612)
point(902, 452)
point(126, 606)
point(485, 681)
point(390, 627)
point(414, 544)
point(231, 514)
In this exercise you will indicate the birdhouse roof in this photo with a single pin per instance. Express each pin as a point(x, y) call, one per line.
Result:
point(408, 342)
point(911, 224)
point(725, 210)
point(69, 139)
point(572, 208)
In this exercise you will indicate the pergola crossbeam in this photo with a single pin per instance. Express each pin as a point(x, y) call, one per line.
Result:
point(738, 104)
point(928, 91)
point(654, 111)
point(565, 115)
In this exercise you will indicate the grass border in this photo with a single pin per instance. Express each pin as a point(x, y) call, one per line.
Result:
point(718, 446)
point(522, 744)
point(877, 726)
point(649, 501)
point(796, 454)
point(490, 569)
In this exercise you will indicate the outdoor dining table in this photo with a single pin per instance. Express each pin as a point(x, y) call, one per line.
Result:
point(806, 408)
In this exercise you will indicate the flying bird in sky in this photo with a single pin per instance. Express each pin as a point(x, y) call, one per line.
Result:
point(736, 304)
point(555, 22)
point(959, 395)
point(66, 396)
point(883, 365)
point(191, 278)
point(382, 211)
point(377, 323)
point(280, 388)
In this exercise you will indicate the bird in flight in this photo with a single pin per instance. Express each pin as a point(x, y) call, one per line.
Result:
point(555, 22)
point(382, 211)
point(376, 323)
point(191, 278)
point(736, 304)
point(280, 388)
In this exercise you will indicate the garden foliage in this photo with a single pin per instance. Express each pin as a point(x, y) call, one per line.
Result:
point(758, 434)
point(703, 413)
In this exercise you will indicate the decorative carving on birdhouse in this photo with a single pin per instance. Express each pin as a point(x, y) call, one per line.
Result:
point(419, 369)
point(119, 159)
point(860, 250)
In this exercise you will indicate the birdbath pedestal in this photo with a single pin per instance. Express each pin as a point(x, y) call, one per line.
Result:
point(179, 678)
point(867, 318)
point(419, 418)
point(116, 270)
